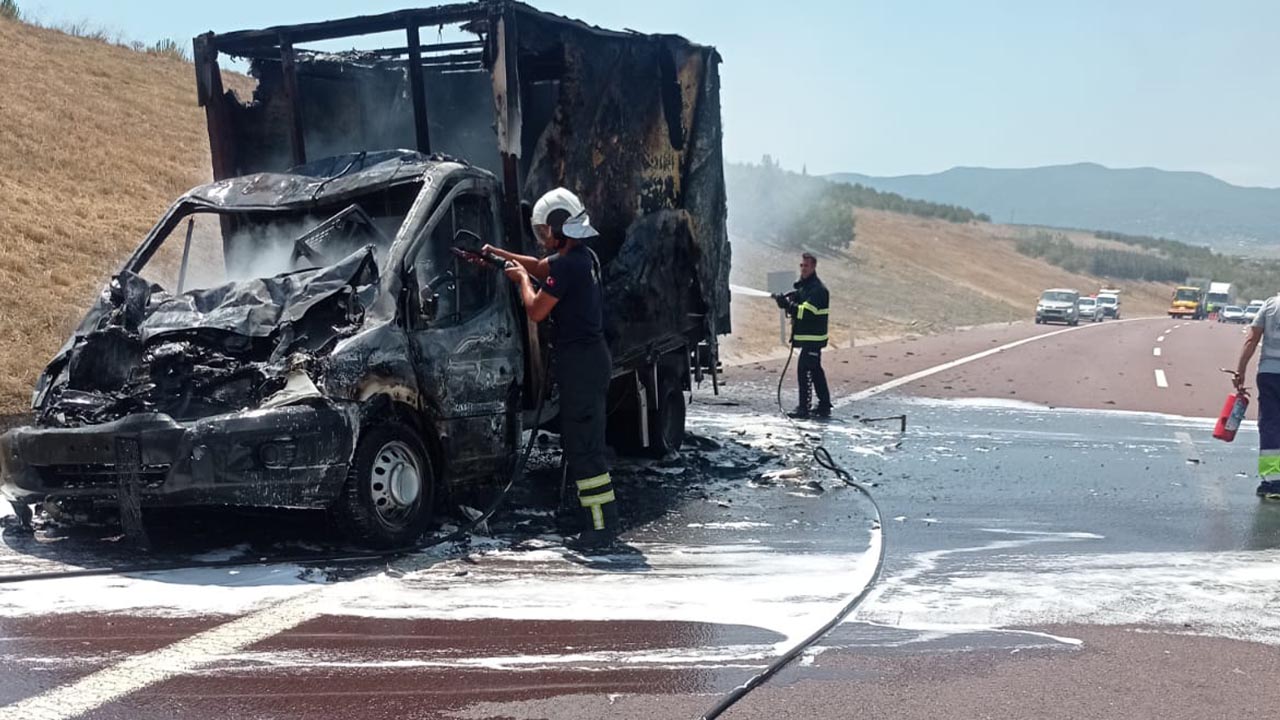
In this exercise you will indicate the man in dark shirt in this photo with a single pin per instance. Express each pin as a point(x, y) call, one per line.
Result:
point(809, 307)
point(571, 296)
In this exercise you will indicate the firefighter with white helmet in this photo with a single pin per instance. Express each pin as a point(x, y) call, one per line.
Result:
point(571, 295)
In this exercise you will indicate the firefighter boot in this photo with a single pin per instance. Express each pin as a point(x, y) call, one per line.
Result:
point(600, 512)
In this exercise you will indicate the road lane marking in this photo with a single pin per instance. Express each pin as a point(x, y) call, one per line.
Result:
point(1161, 380)
point(141, 671)
point(1155, 351)
point(907, 379)
point(1160, 339)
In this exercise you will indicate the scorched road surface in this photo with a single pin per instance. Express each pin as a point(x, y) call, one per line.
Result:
point(1050, 555)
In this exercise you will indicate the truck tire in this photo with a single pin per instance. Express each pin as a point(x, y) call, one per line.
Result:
point(666, 422)
point(390, 491)
point(666, 426)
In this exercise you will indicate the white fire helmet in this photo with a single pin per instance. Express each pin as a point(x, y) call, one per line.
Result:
point(579, 223)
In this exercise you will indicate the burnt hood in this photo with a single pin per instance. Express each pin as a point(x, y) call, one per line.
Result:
point(220, 349)
point(259, 308)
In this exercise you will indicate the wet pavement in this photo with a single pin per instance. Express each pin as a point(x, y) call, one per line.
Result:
point(1015, 533)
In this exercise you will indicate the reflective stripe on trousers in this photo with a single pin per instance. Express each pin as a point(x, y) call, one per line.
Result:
point(594, 493)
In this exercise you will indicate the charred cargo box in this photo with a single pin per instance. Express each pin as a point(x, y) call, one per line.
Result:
point(301, 333)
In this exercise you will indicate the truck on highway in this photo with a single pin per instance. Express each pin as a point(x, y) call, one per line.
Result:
point(1187, 302)
point(1218, 296)
point(309, 330)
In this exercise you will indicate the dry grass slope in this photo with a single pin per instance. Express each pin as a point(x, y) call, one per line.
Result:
point(95, 141)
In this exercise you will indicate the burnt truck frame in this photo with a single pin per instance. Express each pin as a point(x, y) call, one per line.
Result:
point(375, 372)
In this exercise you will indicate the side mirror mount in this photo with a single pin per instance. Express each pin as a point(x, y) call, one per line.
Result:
point(429, 298)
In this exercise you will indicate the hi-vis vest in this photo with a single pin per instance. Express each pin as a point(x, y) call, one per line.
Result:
point(810, 312)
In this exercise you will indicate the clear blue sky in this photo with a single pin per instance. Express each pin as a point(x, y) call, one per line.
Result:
point(898, 87)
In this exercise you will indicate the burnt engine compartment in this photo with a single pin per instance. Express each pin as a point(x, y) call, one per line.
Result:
point(206, 352)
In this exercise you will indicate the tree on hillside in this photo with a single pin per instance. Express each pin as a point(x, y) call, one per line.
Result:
point(9, 10)
point(787, 209)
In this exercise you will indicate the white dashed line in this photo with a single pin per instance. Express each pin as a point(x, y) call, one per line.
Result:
point(1155, 351)
point(1161, 381)
point(1160, 339)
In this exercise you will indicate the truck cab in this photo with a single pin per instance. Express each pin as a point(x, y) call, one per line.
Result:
point(301, 332)
point(1187, 302)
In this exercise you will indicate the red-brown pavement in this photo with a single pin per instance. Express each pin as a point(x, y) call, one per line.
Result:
point(369, 667)
point(1106, 366)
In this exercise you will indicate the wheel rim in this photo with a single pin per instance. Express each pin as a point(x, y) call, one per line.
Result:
point(395, 483)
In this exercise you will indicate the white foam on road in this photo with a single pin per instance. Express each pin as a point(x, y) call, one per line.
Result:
point(738, 525)
point(1161, 380)
point(1162, 420)
point(1227, 594)
point(177, 593)
point(748, 584)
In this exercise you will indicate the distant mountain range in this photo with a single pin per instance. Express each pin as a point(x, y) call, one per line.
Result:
point(1188, 206)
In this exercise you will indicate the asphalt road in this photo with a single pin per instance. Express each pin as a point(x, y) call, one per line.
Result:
point(1064, 540)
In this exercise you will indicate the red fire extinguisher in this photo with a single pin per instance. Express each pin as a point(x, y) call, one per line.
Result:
point(1232, 415)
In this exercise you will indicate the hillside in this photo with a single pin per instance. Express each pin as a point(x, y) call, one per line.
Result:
point(1189, 206)
point(97, 140)
point(910, 275)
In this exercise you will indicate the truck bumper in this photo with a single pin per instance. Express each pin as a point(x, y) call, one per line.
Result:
point(293, 456)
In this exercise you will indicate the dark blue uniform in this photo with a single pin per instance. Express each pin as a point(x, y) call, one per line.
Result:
point(583, 367)
point(809, 306)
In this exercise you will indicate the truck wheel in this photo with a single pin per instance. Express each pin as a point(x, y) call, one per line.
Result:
point(390, 489)
point(666, 426)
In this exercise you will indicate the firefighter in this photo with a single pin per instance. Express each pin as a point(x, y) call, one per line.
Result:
point(809, 307)
point(571, 295)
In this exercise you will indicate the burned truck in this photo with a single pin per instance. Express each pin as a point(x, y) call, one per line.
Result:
point(302, 333)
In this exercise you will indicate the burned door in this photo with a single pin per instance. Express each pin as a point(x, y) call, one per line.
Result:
point(464, 333)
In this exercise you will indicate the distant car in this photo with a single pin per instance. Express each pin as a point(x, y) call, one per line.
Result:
point(1090, 310)
point(1251, 312)
point(1110, 303)
point(1058, 305)
point(1231, 314)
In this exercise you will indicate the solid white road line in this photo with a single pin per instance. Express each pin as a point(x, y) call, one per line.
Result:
point(1155, 351)
point(1161, 380)
point(906, 379)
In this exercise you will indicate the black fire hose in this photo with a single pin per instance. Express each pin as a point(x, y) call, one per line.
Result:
point(517, 473)
point(823, 457)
